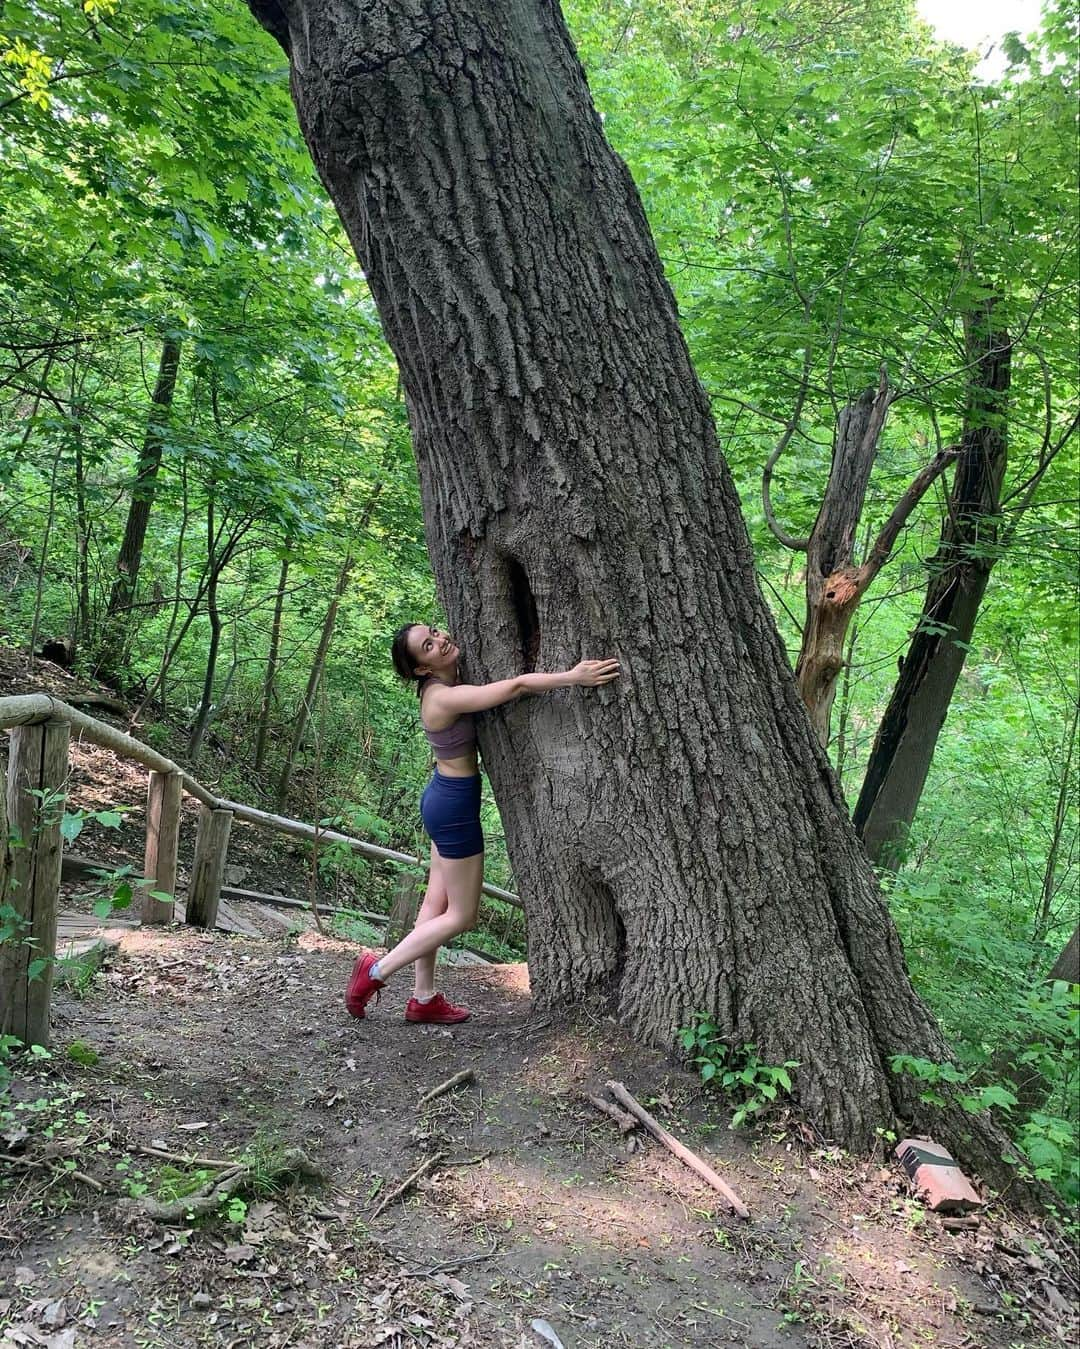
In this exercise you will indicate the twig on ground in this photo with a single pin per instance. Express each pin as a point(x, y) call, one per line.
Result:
point(445, 1266)
point(407, 1184)
point(678, 1149)
point(60, 1172)
point(214, 1163)
point(626, 1122)
point(458, 1080)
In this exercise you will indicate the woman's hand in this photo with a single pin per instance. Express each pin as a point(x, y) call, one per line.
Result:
point(590, 673)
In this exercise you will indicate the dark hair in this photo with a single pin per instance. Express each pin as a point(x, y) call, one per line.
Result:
point(402, 657)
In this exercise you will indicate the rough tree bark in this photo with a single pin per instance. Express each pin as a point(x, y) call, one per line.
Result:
point(680, 837)
point(959, 572)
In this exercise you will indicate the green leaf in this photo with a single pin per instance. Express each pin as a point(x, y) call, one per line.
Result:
point(122, 895)
point(996, 1094)
point(71, 826)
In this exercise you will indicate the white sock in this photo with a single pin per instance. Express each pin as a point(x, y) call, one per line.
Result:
point(426, 998)
point(373, 973)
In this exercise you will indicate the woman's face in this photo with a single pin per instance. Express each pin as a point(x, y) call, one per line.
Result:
point(432, 651)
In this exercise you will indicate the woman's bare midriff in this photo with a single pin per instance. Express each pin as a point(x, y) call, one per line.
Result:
point(467, 766)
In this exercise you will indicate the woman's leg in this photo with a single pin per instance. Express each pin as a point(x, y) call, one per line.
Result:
point(434, 906)
point(462, 878)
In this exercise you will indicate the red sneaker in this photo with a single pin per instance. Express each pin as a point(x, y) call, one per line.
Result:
point(436, 1010)
point(362, 987)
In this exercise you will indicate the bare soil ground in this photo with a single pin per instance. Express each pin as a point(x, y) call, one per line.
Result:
point(210, 1046)
point(538, 1225)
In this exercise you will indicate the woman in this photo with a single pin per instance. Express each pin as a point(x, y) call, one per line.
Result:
point(450, 809)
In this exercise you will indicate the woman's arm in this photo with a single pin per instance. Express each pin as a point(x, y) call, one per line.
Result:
point(454, 699)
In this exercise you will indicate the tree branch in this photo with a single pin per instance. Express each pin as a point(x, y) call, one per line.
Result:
point(883, 544)
point(788, 540)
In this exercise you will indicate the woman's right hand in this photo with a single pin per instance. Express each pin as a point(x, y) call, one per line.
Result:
point(590, 673)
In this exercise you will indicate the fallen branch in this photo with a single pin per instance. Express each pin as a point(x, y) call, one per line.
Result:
point(678, 1149)
point(212, 1163)
point(407, 1184)
point(627, 1123)
point(60, 1172)
point(458, 1080)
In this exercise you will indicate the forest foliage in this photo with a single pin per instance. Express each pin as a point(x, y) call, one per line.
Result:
point(185, 330)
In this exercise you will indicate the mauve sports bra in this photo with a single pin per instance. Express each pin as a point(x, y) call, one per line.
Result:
point(454, 740)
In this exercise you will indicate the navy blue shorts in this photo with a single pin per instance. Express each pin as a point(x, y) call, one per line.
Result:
point(450, 809)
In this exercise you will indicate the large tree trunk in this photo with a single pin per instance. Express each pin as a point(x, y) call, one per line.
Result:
point(679, 837)
point(959, 571)
point(129, 558)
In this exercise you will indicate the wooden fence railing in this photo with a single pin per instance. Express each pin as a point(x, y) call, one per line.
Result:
point(31, 846)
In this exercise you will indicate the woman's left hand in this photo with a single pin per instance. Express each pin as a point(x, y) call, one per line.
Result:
point(592, 673)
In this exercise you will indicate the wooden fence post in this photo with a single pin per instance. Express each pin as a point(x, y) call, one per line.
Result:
point(208, 867)
point(37, 768)
point(403, 911)
point(163, 796)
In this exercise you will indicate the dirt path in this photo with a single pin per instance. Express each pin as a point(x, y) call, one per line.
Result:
point(220, 1046)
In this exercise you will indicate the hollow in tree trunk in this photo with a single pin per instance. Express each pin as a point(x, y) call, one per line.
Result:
point(679, 838)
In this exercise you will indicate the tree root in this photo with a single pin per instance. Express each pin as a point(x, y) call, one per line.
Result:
point(209, 1197)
